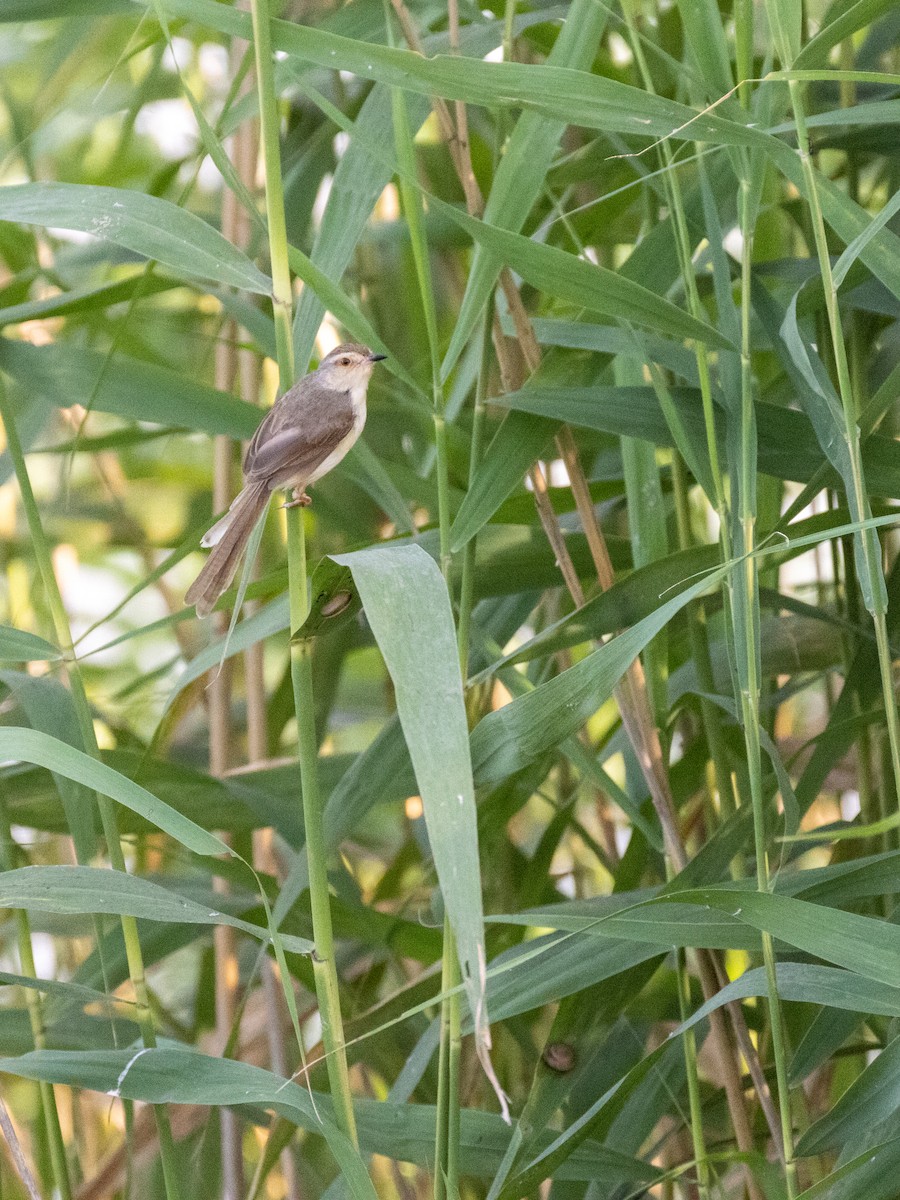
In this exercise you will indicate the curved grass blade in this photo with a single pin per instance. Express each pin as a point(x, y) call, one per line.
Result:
point(517, 443)
point(865, 945)
point(574, 97)
point(76, 890)
point(156, 228)
point(871, 1098)
point(400, 1131)
point(595, 288)
point(508, 740)
point(30, 745)
point(846, 20)
point(788, 446)
point(808, 983)
point(87, 300)
point(48, 707)
point(69, 374)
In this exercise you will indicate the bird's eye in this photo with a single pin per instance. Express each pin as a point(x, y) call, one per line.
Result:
point(345, 362)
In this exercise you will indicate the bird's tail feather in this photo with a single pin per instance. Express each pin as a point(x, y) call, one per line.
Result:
point(220, 567)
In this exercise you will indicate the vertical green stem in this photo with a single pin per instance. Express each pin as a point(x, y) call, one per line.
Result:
point(749, 672)
point(133, 953)
point(443, 488)
point(682, 239)
point(35, 1007)
point(324, 965)
point(699, 640)
point(743, 47)
point(858, 499)
point(684, 253)
point(446, 1183)
point(467, 585)
point(509, 19)
point(446, 1136)
point(282, 294)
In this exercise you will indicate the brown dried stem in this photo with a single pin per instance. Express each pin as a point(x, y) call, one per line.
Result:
point(634, 706)
point(18, 1154)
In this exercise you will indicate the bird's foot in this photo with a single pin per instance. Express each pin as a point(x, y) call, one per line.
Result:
point(299, 499)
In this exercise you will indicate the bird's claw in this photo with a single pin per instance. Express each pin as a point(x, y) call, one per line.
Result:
point(299, 501)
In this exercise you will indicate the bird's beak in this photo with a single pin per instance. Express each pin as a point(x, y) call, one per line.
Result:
point(374, 358)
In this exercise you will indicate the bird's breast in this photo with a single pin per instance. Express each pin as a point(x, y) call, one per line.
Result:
point(358, 401)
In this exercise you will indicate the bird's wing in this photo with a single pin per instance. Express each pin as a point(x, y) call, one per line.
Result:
point(297, 435)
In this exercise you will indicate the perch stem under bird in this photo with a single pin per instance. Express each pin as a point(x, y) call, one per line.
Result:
point(304, 435)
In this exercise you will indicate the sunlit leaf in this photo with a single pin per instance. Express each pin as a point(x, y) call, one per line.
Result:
point(145, 224)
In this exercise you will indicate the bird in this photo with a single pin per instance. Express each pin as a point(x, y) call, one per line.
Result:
point(304, 435)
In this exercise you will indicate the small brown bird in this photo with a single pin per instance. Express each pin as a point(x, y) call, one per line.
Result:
point(306, 432)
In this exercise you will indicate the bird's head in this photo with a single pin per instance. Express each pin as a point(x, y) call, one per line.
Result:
point(347, 366)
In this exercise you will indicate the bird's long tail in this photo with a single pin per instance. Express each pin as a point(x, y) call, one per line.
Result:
point(228, 537)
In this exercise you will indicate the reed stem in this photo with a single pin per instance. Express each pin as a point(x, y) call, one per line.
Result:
point(63, 634)
point(324, 965)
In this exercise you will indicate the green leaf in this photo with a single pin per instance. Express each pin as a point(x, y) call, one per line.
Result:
point(403, 1132)
point(17, 645)
point(359, 180)
point(29, 745)
point(807, 983)
point(869, 1174)
point(609, 339)
point(145, 224)
point(334, 601)
point(365, 468)
point(631, 598)
point(51, 10)
point(67, 993)
point(516, 445)
point(595, 288)
point(870, 1099)
point(507, 740)
point(357, 324)
point(846, 20)
point(48, 707)
point(788, 446)
point(880, 253)
point(859, 243)
point(574, 97)
point(270, 619)
point(364, 169)
point(823, 407)
point(406, 603)
point(706, 40)
point(88, 300)
point(627, 921)
point(75, 890)
point(521, 172)
point(838, 735)
point(784, 22)
point(183, 1077)
point(598, 1114)
point(865, 945)
point(68, 374)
